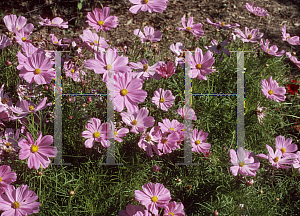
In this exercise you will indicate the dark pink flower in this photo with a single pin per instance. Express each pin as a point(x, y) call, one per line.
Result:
point(131, 210)
point(146, 142)
point(100, 19)
point(166, 142)
point(167, 70)
point(218, 48)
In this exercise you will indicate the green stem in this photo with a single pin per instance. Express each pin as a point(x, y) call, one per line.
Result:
point(134, 47)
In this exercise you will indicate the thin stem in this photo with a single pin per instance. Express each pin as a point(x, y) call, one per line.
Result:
point(98, 41)
point(134, 48)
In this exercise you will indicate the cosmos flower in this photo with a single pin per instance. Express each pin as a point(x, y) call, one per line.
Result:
point(272, 50)
point(144, 71)
point(57, 42)
point(260, 113)
point(91, 39)
point(195, 29)
point(4, 41)
point(149, 34)
point(95, 132)
point(163, 99)
point(14, 23)
point(199, 141)
point(131, 210)
point(57, 21)
point(248, 36)
point(221, 24)
point(146, 142)
point(272, 91)
point(167, 70)
point(257, 11)
point(174, 208)
point(100, 19)
point(219, 48)
point(287, 37)
point(148, 5)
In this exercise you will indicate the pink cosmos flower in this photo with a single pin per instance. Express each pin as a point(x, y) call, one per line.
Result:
point(73, 72)
point(174, 208)
point(19, 202)
point(167, 70)
point(91, 39)
point(200, 65)
point(273, 49)
point(37, 152)
point(143, 213)
point(149, 34)
point(221, 24)
point(21, 37)
point(243, 162)
point(195, 29)
point(144, 71)
point(293, 59)
point(128, 92)
point(218, 48)
point(57, 42)
point(7, 177)
point(248, 36)
point(199, 141)
point(285, 146)
point(153, 196)
point(163, 99)
point(146, 142)
point(138, 120)
point(28, 49)
point(287, 37)
point(37, 69)
point(95, 132)
point(272, 91)
point(4, 41)
point(296, 163)
point(109, 62)
point(178, 51)
point(131, 210)
point(120, 133)
point(257, 11)
point(12, 21)
point(187, 113)
point(166, 142)
point(5, 100)
point(10, 142)
point(101, 20)
point(57, 21)
point(148, 5)
point(170, 127)
point(260, 113)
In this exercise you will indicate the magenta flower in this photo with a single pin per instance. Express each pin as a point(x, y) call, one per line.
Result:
point(287, 37)
point(10, 142)
point(91, 39)
point(57, 21)
point(153, 196)
point(199, 141)
point(131, 210)
point(293, 59)
point(260, 113)
point(19, 201)
point(166, 142)
point(37, 152)
point(248, 36)
point(195, 29)
point(200, 65)
point(4, 41)
point(174, 208)
point(170, 127)
point(257, 11)
point(286, 146)
point(163, 99)
point(95, 132)
point(218, 48)
point(144, 71)
point(148, 5)
point(167, 70)
point(109, 62)
point(273, 49)
point(6, 177)
point(178, 51)
point(187, 113)
point(272, 91)
point(243, 162)
point(72, 71)
point(57, 42)
point(149, 34)
point(146, 142)
point(12, 21)
point(221, 24)
point(101, 20)
point(37, 69)
point(128, 92)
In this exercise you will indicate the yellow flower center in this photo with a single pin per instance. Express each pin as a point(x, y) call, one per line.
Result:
point(145, 67)
point(23, 39)
point(198, 66)
point(108, 67)
point(31, 108)
point(182, 129)
point(189, 28)
point(96, 42)
point(52, 23)
point(222, 24)
point(145, 1)
point(162, 100)
point(172, 129)
point(124, 92)
point(100, 22)
point(8, 144)
point(270, 92)
point(96, 134)
point(249, 36)
point(17, 28)
point(37, 71)
point(34, 148)
point(148, 138)
point(268, 50)
point(134, 122)
point(4, 100)
point(154, 198)
point(55, 42)
point(115, 132)
point(276, 159)
point(164, 140)
point(72, 70)
point(288, 37)
point(283, 150)
point(197, 142)
point(171, 213)
point(242, 163)
point(16, 205)
point(0, 179)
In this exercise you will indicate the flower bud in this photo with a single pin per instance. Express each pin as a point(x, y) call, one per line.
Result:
point(40, 173)
point(261, 192)
point(72, 193)
point(277, 199)
point(84, 105)
point(89, 100)
point(167, 29)
point(155, 168)
point(8, 63)
point(70, 117)
point(46, 87)
point(216, 213)
point(179, 180)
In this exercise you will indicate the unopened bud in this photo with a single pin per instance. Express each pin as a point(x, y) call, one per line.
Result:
point(8, 63)
point(72, 193)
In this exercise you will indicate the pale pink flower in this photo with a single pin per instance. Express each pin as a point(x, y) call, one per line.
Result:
point(149, 34)
point(200, 64)
point(131, 210)
point(120, 133)
point(153, 196)
point(167, 70)
point(257, 11)
point(4, 41)
point(73, 72)
point(286, 146)
point(100, 19)
point(187, 113)
point(166, 142)
point(293, 59)
point(272, 50)
point(175, 209)
point(148, 5)
point(277, 160)
point(248, 36)
point(144, 71)
point(19, 202)
point(14, 23)
point(272, 90)
point(221, 24)
point(57, 21)
point(7, 177)
point(21, 37)
point(178, 51)
point(195, 29)
point(95, 132)
point(28, 49)
point(37, 152)
point(91, 40)
point(57, 42)
point(260, 113)
point(128, 92)
point(218, 48)
point(199, 141)
point(243, 162)
point(287, 37)
point(163, 99)
point(146, 142)
point(170, 127)
point(10, 142)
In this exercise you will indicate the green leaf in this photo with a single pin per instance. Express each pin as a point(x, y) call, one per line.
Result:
point(79, 5)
